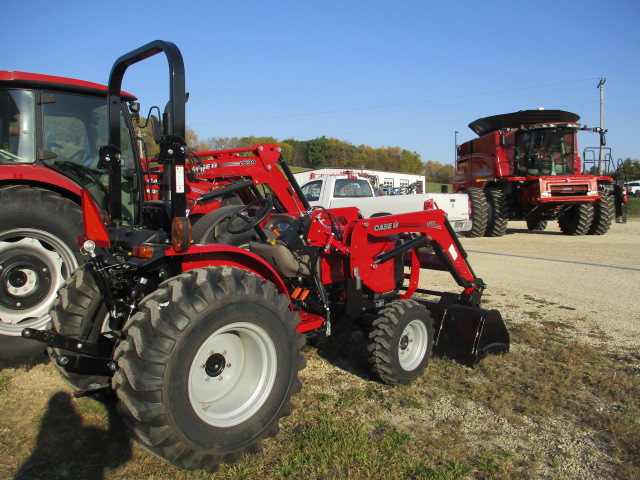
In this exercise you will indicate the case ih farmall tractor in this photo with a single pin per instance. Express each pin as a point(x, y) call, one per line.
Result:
point(50, 131)
point(525, 166)
point(201, 342)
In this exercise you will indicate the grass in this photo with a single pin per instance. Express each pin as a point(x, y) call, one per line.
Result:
point(346, 425)
point(633, 207)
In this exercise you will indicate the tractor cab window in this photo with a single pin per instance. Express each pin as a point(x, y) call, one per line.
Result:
point(17, 126)
point(546, 152)
point(75, 127)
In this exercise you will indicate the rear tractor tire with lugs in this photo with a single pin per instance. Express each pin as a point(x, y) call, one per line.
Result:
point(208, 367)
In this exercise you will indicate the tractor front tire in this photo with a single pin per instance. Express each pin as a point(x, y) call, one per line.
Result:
point(498, 204)
point(479, 212)
point(401, 342)
point(603, 214)
point(38, 252)
point(208, 367)
point(576, 220)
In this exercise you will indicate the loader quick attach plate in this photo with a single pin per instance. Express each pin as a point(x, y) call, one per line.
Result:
point(465, 333)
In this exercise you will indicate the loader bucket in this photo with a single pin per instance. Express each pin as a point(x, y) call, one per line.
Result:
point(467, 334)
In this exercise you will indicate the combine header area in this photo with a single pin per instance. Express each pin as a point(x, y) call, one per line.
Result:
point(525, 166)
point(201, 341)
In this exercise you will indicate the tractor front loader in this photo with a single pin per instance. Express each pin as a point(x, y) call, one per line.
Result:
point(201, 341)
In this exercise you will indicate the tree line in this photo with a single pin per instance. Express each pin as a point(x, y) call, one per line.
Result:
point(323, 152)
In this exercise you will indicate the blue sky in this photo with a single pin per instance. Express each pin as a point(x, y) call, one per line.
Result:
point(382, 73)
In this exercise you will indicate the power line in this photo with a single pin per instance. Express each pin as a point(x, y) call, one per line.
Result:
point(391, 105)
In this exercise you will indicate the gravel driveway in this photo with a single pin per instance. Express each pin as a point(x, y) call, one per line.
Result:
point(594, 279)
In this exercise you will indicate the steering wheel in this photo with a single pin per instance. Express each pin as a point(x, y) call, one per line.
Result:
point(266, 206)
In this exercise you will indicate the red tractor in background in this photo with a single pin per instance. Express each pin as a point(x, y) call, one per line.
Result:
point(525, 166)
point(201, 341)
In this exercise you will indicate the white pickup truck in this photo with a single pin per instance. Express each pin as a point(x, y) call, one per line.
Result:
point(334, 191)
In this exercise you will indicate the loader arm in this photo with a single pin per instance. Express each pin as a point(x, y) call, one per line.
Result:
point(426, 228)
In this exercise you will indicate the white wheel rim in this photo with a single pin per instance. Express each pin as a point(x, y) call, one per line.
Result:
point(413, 345)
point(232, 374)
point(20, 251)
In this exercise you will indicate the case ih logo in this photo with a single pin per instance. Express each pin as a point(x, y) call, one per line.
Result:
point(385, 226)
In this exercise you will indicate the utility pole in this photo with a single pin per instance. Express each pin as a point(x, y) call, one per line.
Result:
point(455, 148)
point(601, 87)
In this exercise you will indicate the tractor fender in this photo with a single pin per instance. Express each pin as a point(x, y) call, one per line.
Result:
point(38, 176)
point(199, 256)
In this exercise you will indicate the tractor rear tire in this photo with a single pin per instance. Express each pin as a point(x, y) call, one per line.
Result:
point(603, 214)
point(498, 204)
point(38, 252)
point(479, 212)
point(80, 303)
point(401, 342)
point(576, 220)
point(211, 228)
point(536, 224)
point(208, 367)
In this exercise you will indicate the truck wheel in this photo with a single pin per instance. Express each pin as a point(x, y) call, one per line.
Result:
point(536, 224)
point(401, 342)
point(498, 204)
point(79, 303)
point(479, 215)
point(576, 220)
point(38, 251)
point(211, 228)
point(603, 213)
point(208, 367)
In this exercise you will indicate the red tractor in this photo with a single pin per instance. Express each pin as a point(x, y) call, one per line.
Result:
point(201, 342)
point(525, 166)
point(51, 129)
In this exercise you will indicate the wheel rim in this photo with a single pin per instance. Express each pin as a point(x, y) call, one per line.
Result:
point(232, 374)
point(413, 345)
point(33, 265)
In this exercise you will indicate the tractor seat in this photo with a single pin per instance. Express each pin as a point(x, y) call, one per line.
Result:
point(285, 253)
point(156, 215)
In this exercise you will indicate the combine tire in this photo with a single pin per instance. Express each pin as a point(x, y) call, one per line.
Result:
point(479, 212)
point(78, 305)
point(498, 204)
point(212, 228)
point(536, 224)
point(208, 367)
point(38, 251)
point(603, 213)
point(576, 220)
point(401, 342)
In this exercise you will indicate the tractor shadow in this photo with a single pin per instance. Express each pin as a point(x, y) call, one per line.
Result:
point(67, 447)
point(346, 349)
